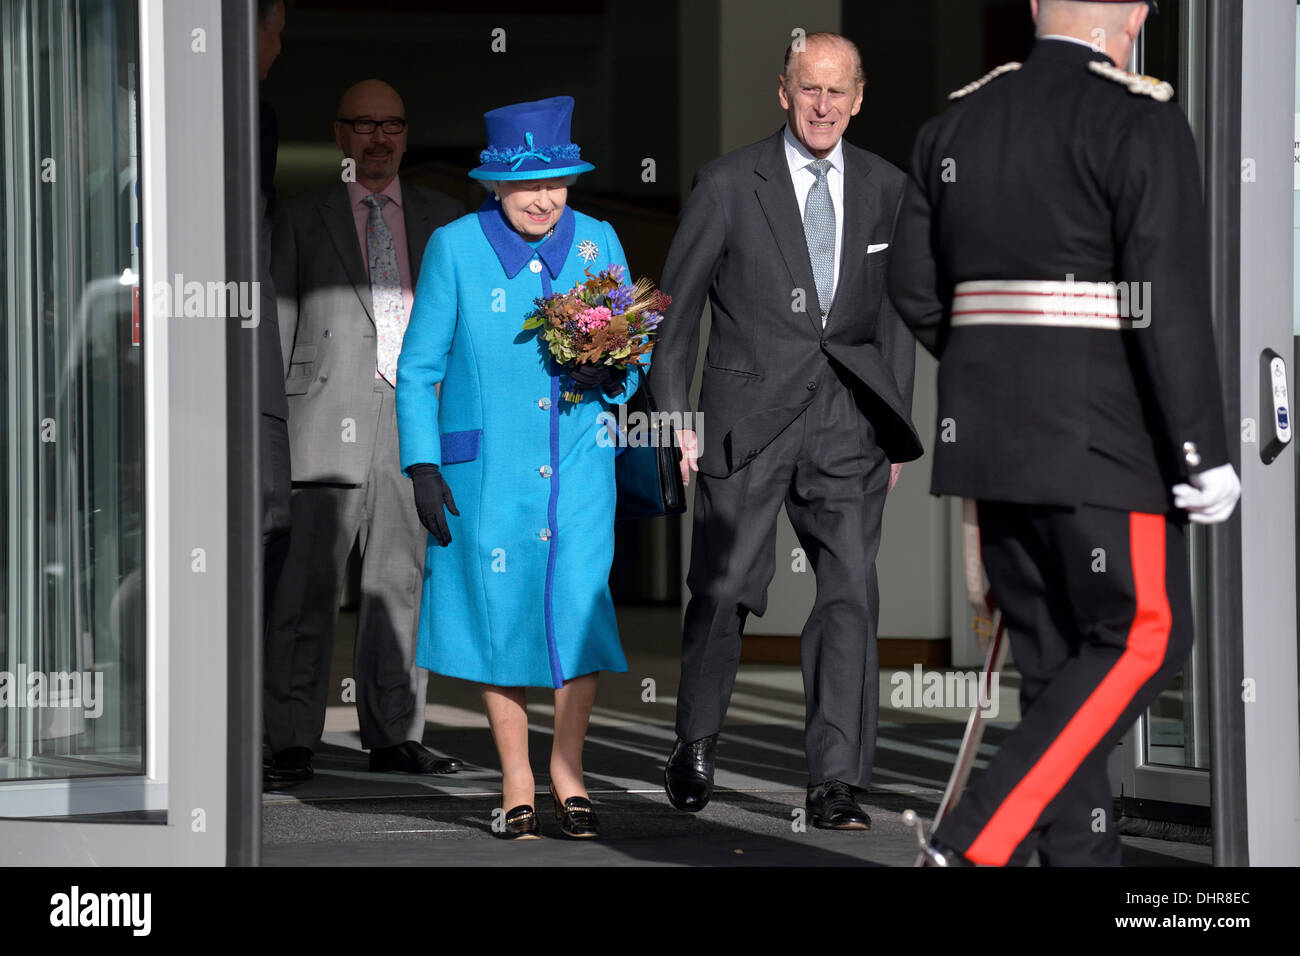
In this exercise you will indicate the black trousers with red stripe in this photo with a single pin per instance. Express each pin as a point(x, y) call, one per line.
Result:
point(1098, 608)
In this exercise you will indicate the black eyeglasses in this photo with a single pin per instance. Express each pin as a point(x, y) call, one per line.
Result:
point(391, 125)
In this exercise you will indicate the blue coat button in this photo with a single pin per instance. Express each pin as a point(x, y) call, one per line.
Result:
point(544, 534)
point(544, 471)
point(535, 266)
point(543, 403)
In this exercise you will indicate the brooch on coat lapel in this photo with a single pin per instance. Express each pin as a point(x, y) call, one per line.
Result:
point(588, 251)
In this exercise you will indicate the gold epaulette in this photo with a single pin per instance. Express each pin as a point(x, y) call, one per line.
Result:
point(1158, 90)
point(987, 78)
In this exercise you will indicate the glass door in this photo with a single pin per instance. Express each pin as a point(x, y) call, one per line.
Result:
point(1269, 771)
point(1233, 709)
point(1161, 770)
point(71, 650)
point(117, 564)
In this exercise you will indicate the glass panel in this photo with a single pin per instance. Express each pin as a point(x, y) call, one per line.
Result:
point(1176, 725)
point(72, 645)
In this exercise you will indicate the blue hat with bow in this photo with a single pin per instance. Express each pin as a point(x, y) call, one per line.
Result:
point(530, 141)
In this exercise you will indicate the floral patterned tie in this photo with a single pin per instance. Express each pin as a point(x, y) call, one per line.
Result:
point(385, 289)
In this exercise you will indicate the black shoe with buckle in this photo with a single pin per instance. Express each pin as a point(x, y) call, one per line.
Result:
point(831, 807)
point(410, 757)
point(520, 824)
point(577, 817)
point(688, 776)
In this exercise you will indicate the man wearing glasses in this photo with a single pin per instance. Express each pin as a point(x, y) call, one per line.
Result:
point(345, 262)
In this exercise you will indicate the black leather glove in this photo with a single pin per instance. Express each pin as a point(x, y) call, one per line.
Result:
point(608, 379)
point(431, 493)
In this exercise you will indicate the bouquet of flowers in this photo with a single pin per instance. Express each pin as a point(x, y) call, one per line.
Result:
point(601, 321)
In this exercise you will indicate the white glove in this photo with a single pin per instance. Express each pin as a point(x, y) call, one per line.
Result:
point(1211, 496)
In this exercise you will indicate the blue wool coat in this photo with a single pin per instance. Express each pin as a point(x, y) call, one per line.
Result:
point(521, 596)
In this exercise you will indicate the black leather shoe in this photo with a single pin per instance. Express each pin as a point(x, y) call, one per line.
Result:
point(832, 807)
point(688, 776)
point(576, 816)
point(520, 824)
point(410, 757)
point(289, 766)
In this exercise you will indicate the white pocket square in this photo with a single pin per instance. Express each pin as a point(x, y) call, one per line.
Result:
point(876, 247)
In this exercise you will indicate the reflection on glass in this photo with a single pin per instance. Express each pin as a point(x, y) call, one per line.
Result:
point(71, 644)
point(1168, 731)
point(1175, 726)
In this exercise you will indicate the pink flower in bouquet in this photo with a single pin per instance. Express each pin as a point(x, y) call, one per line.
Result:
point(589, 320)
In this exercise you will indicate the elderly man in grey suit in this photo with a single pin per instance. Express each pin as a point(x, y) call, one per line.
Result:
point(806, 401)
point(345, 263)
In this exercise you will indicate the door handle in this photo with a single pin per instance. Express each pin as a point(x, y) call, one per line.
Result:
point(1274, 406)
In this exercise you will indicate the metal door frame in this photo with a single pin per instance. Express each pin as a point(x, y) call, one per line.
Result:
point(1264, 691)
point(1248, 610)
point(1239, 65)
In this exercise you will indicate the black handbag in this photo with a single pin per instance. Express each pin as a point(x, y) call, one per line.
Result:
point(647, 465)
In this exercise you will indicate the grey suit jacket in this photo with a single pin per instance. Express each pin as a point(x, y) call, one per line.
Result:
point(327, 324)
point(740, 242)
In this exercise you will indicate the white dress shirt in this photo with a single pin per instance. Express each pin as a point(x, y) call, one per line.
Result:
point(797, 158)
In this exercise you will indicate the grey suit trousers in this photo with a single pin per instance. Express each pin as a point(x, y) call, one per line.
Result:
point(327, 519)
point(826, 468)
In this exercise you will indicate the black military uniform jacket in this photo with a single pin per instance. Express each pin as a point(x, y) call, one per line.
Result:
point(1045, 172)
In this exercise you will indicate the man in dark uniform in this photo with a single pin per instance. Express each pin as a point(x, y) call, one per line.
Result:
point(1051, 252)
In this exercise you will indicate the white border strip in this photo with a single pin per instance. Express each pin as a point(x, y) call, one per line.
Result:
point(153, 244)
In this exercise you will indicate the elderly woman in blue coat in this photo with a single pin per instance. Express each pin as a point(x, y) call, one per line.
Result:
point(516, 573)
